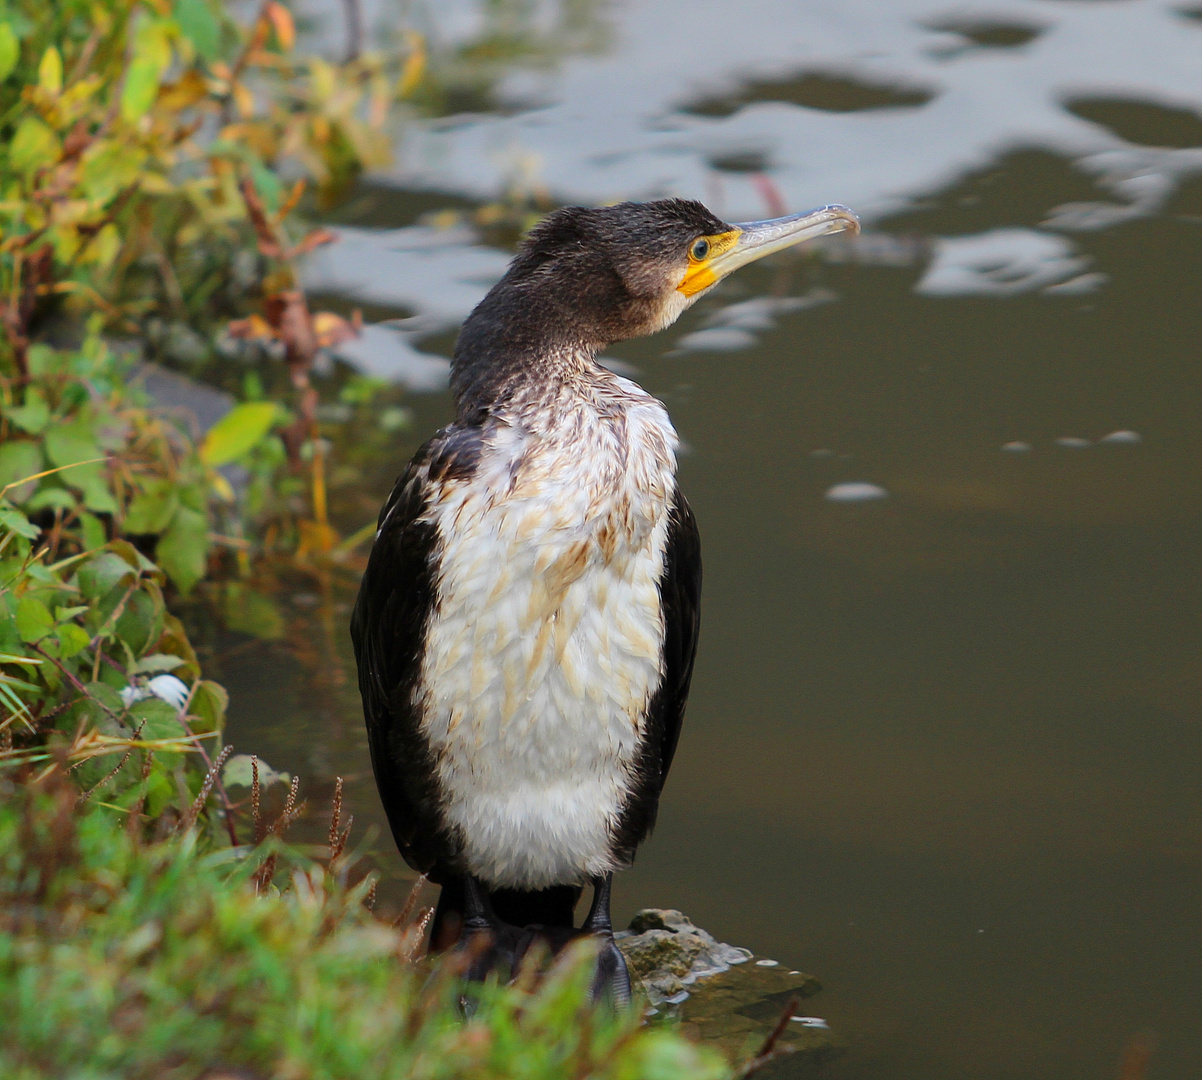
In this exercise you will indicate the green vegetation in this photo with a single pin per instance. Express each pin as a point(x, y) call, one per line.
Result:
point(150, 924)
point(125, 959)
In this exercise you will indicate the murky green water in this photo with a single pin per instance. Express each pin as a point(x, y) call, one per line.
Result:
point(943, 747)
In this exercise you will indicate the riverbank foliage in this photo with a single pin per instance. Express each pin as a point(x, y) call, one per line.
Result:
point(155, 157)
point(125, 958)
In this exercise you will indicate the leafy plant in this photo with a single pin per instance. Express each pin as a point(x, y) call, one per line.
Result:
point(84, 459)
point(101, 676)
point(125, 129)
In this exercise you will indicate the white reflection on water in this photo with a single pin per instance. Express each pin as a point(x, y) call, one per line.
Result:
point(616, 126)
point(1000, 263)
point(606, 133)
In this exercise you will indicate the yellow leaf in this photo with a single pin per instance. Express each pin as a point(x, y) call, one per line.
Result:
point(321, 75)
point(104, 246)
point(415, 65)
point(251, 328)
point(281, 21)
point(238, 432)
point(50, 71)
point(243, 99)
point(156, 184)
point(222, 488)
point(187, 90)
point(152, 43)
point(66, 242)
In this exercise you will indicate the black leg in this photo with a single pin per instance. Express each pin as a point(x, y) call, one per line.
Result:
point(612, 980)
point(479, 936)
point(492, 942)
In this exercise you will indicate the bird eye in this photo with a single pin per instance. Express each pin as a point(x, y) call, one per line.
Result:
point(700, 249)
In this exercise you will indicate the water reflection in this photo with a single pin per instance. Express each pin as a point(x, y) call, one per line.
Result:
point(943, 746)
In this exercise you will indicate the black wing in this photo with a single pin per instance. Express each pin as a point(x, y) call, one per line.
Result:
point(388, 628)
point(680, 595)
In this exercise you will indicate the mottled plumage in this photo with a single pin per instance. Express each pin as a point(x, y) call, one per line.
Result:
point(526, 627)
point(518, 723)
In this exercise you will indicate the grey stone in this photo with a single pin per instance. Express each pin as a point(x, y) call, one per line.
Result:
point(663, 985)
point(656, 951)
point(200, 406)
point(662, 919)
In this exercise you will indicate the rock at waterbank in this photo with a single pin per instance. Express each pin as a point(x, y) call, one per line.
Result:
point(720, 992)
point(667, 952)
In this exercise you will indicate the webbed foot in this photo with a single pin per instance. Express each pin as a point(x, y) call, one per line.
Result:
point(489, 942)
point(612, 980)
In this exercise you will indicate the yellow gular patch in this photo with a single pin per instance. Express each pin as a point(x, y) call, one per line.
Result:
point(699, 275)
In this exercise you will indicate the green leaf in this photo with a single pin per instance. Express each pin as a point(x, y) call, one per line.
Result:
point(97, 495)
point(239, 772)
point(209, 703)
point(19, 458)
point(91, 530)
point(237, 432)
point(68, 444)
point(267, 183)
point(33, 416)
point(141, 623)
point(156, 662)
point(182, 548)
point(10, 51)
point(161, 719)
point(102, 573)
point(34, 620)
point(14, 521)
point(108, 167)
point(106, 696)
point(72, 639)
point(43, 360)
point(152, 509)
point(34, 145)
point(140, 90)
point(198, 25)
point(75, 445)
point(50, 498)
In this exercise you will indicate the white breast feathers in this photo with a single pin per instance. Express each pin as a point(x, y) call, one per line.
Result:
point(545, 645)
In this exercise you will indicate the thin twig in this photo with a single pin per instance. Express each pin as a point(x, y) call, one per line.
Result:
point(770, 1051)
point(258, 35)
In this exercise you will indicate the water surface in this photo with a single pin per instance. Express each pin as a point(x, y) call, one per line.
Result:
point(943, 747)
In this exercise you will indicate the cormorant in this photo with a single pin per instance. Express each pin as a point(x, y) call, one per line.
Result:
point(526, 626)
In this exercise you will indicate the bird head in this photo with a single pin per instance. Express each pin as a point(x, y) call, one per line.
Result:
point(622, 271)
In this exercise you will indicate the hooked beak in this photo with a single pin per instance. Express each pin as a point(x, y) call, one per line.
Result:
point(759, 238)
